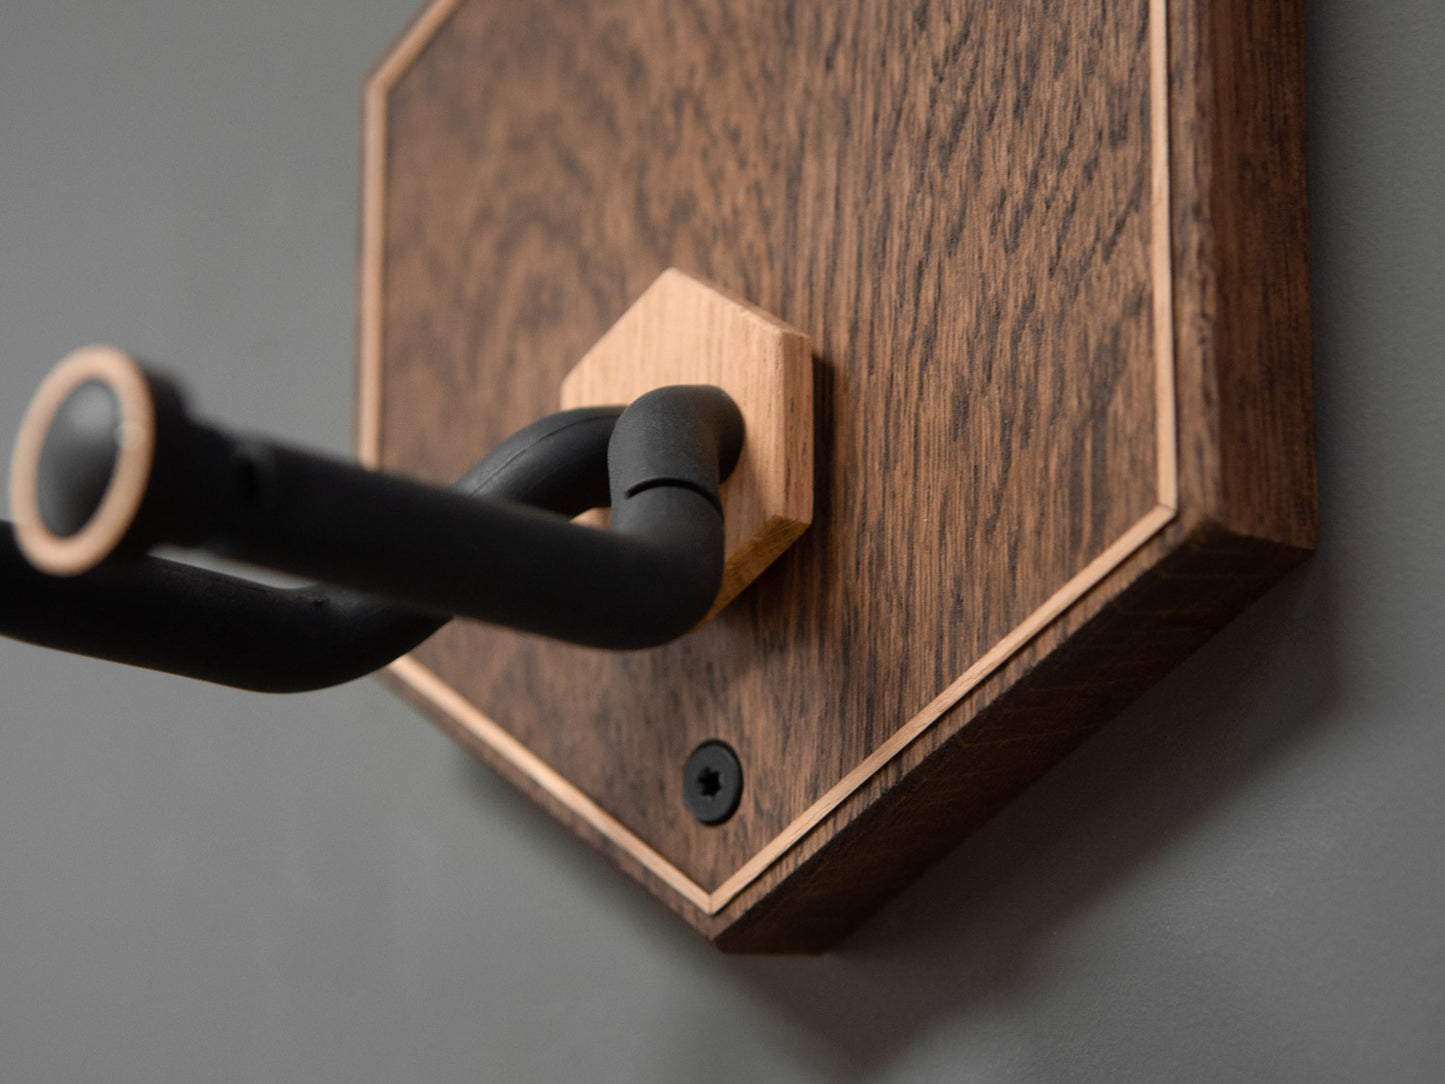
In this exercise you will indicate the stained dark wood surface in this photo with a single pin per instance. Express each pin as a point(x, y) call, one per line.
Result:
point(954, 200)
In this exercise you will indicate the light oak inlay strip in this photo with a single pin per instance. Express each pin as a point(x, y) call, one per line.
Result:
point(458, 707)
point(1161, 254)
point(373, 223)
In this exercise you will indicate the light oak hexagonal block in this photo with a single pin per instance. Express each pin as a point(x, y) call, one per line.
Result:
point(684, 331)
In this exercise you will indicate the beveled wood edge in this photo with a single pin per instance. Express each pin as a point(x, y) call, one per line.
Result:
point(97, 539)
point(772, 540)
point(446, 699)
point(904, 736)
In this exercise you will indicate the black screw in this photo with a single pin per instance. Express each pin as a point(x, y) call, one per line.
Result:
point(712, 782)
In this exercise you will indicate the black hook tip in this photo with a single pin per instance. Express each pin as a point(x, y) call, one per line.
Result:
point(78, 458)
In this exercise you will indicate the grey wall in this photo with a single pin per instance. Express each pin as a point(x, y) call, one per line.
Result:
point(1240, 879)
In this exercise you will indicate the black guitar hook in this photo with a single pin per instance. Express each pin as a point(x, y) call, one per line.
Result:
point(109, 463)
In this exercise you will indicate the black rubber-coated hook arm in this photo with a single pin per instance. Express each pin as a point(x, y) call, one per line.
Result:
point(173, 617)
point(109, 463)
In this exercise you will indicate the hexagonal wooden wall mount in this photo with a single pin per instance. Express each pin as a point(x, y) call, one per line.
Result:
point(1052, 258)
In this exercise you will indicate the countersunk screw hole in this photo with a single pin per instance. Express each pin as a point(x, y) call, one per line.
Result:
point(712, 782)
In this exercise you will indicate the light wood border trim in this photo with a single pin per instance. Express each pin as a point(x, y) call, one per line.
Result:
point(73, 554)
point(373, 221)
point(1161, 263)
point(448, 700)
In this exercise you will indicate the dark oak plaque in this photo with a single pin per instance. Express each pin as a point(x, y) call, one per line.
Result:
point(1052, 260)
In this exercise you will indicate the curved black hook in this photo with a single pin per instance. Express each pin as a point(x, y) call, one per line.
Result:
point(173, 617)
point(109, 463)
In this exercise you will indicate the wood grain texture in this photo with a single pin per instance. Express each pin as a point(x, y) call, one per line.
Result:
point(684, 331)
point(1052, 260)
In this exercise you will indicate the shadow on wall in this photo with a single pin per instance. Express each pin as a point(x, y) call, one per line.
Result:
point(971, 929)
